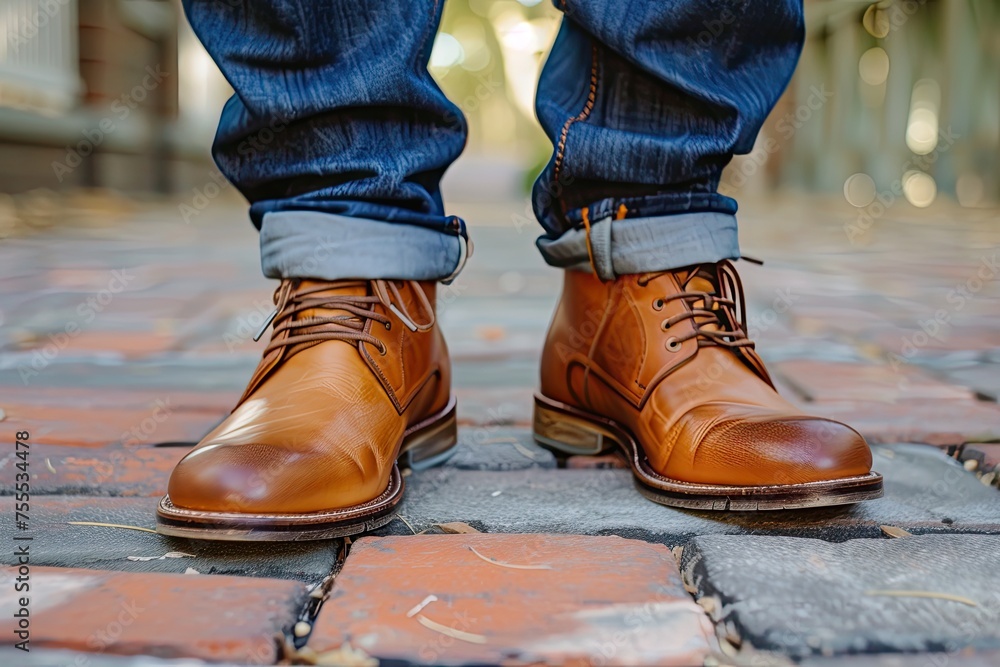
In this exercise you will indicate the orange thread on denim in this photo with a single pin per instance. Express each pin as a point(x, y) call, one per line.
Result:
point(582, 116)
point(622, 212)
point(585, 213)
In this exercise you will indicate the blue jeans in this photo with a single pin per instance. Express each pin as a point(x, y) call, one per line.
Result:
point(338, 136)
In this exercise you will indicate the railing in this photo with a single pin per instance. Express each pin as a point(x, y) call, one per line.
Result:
point(38, 54)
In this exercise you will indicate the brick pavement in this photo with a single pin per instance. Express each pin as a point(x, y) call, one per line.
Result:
point(123, 342)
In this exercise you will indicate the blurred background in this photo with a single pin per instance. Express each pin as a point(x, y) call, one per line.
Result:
point(116, 98)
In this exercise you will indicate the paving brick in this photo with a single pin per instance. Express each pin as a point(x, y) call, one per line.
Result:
point(823, 381)
point(584, 600)
point(90, 427)
point(215, 402)
point(162, 615)
point(105, 471)
point(926, 491)
point(227, 374)
point(58, 543)
point(943, 423)
point(808, 597)
point(604, 462)
point(59, 658)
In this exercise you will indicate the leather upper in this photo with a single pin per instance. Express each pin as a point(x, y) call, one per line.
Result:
point(321, 422)
point(664, 355)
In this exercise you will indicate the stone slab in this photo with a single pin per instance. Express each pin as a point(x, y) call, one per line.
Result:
point(926, 492)
point(806, 597)
point(963, 658)
point(826, 381)
point(943, 423)
point(498, 448)
point(536, 599)
point(58, 543)
point(215, 618)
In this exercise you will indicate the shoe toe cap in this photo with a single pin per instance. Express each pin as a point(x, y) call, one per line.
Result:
point(259, 478)
point(778, 451)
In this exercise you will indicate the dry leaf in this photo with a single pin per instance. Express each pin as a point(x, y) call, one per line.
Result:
point(513, 566)
point(456, 528)
point(169, 554)
point(110, 525)
point(527, 453)
point(403, 519)
point(470, 637)
point(894, 531)
point(423, 603)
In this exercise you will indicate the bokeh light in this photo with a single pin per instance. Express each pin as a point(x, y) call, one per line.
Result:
point(874, 66)
point(919, 188)
point(922, 125)
point(859, 190)
point(447, 51)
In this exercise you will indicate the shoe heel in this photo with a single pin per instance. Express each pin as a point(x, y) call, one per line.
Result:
point(567, 434)
point(430, 446)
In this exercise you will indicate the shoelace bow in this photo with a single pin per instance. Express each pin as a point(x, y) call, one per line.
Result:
point(725, 310)
point(290, 300)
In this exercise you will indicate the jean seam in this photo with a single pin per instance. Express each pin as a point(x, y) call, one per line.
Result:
point(588, 107)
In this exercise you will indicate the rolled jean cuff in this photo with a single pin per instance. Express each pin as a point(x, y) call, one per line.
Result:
point(327, 246)
point(640, 245)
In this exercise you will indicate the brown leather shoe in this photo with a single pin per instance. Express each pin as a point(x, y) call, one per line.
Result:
point(355, 377)
point(659, 366)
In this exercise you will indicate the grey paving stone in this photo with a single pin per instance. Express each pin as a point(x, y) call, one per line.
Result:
point(498, 448)
point(926, 492)
point(60, 544)
point(806, 597)
point(953, 659)
point(984, 378)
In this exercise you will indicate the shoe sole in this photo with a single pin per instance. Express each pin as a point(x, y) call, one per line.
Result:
point(425, 444)
point(569, 431)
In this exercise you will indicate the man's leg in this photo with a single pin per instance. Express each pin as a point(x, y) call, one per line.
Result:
point(338, 137)
point(335, 113)
point(645, 104)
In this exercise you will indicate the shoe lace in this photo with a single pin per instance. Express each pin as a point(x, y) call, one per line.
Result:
point(718, 317)
point(291, 298)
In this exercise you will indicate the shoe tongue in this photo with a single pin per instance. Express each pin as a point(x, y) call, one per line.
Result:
point(331, 289)
point(700, 279)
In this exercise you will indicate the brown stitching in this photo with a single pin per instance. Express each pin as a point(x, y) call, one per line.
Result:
point(582, 116)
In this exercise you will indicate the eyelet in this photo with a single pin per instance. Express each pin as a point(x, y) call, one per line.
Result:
point(672, 344)
point(388, 326)
point(658, 304)
point(382, 350)
point(664, 326)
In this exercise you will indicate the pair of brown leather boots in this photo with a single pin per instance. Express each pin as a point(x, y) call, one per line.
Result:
point(357, 378)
